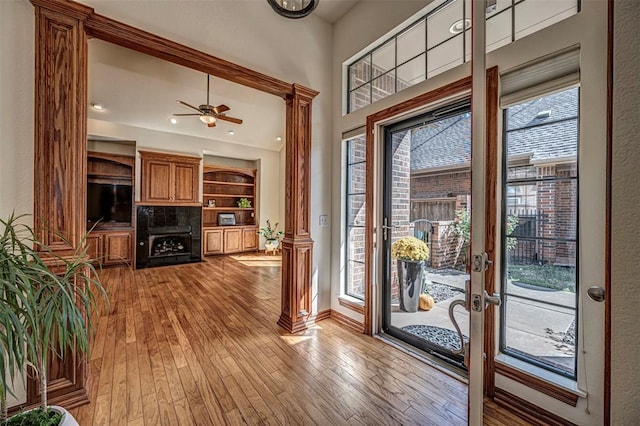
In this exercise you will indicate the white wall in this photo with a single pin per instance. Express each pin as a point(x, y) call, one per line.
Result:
point(16, 107)
point(625, 336)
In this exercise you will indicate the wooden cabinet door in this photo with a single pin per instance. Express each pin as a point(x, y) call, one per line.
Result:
point(232, 240)
point(156, 181)
point(94, 247)
point(185, 187)
point(213, 241)
point(117, 248)
point(249, 239)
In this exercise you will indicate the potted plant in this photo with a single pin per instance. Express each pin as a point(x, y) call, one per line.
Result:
point(271, 235)
point(244, 203)
point(411, 254)
point(48, 301)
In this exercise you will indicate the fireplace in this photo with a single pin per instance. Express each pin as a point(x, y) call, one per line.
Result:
point(167, 235)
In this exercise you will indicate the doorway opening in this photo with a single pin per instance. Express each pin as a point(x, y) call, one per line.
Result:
point(427, 195)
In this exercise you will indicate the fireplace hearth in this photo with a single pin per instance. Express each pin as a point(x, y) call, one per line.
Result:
point(167, 235)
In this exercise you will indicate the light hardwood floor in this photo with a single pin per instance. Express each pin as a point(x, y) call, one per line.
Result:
point(198, 344)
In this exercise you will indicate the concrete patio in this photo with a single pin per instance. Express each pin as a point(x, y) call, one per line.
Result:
point(533, 328)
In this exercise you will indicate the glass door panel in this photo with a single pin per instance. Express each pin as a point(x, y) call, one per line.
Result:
point(428, 196)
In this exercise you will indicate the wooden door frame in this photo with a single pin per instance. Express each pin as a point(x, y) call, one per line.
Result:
point(62, 30)
point(447, 91)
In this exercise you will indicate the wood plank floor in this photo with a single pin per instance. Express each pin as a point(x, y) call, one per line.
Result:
point(198, 344)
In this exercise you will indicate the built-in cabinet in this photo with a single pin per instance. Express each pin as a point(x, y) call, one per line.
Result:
point(110, 204)
point(223, 188)
point(111, 247)
point(169, 179)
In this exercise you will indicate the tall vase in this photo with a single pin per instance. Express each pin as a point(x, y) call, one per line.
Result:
point(410, 279)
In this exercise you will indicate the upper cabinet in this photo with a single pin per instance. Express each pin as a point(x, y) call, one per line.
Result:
point(169, 178)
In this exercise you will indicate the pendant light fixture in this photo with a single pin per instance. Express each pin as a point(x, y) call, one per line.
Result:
point(293, 9)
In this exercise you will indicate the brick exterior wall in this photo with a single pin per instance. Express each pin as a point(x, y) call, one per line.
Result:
point(400, 198)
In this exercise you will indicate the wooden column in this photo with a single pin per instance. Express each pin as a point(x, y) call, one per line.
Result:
point(60, 160)
point(297, 245)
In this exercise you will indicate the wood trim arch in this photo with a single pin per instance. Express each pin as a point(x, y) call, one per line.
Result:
point(61, 43)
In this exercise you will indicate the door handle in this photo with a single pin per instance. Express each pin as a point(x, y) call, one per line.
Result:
point(597, 294)
point(386, 228)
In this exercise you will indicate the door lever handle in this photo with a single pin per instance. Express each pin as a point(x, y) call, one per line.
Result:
point(491, 299)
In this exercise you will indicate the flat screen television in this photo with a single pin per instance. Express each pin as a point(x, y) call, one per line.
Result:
point(109, 203)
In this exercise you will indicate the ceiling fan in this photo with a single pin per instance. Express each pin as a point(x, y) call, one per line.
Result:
point(209, 114)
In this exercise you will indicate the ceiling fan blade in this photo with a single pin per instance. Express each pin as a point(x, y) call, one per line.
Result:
point(220, 109)
point(189, 106)
point(186, 115)
point(211, 125)
point(230, 119)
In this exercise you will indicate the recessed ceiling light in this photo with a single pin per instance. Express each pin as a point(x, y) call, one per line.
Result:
point(173, 120)
point(459, 26)
point(231, 132)
point(97, 106)
point(278, 138)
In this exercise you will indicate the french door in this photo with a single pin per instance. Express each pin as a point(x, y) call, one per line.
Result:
point(426, 195)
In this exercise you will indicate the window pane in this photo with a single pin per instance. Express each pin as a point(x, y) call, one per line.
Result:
point(355, 278)
point(360, 72)
point(360, 97)
point(383, 86)
point(411, 43)
point(540, 332)
point(411, 73)
point(355, 218)
point(356, 184)
point(356, 245)
point(438, 24)
point(356, 149)
point(445, 56)
point(355, 210)
point(498, 30)
point(384, 58)
point(532, 16)
point(541, 211)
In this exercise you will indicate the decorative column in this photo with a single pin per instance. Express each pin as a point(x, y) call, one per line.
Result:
point(297, 245)
point(60, 153)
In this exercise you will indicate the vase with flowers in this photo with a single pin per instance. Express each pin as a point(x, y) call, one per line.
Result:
point(411, 255)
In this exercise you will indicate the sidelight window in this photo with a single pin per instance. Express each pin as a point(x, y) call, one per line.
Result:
point(539, 280)
point(355, 217)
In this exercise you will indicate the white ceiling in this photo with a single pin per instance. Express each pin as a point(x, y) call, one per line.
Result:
point(332, 10)
point(141, 91)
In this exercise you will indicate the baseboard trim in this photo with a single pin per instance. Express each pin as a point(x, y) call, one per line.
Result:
point(347, 321)
point(527, 410)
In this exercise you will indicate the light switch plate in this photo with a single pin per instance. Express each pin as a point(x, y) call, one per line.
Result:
point(324, 220)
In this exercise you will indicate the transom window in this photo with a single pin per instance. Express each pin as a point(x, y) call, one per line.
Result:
point(440, 40)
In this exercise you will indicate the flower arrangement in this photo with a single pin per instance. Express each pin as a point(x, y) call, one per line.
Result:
point(244, 203)
point(270, 233)
point(411, 249)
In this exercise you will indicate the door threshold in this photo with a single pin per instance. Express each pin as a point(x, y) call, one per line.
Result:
point(440, 365)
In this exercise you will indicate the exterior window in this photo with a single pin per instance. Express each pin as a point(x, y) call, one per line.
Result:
point(441, 40)
point(355, 217)
point(539, 280)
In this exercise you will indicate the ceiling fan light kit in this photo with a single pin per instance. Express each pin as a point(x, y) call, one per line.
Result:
point(209, 114)
point(293, 9)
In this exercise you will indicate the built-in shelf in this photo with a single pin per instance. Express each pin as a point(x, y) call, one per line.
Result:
point(228, 195)
point(109, 175)
point(219, 182)
point(228, 208)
